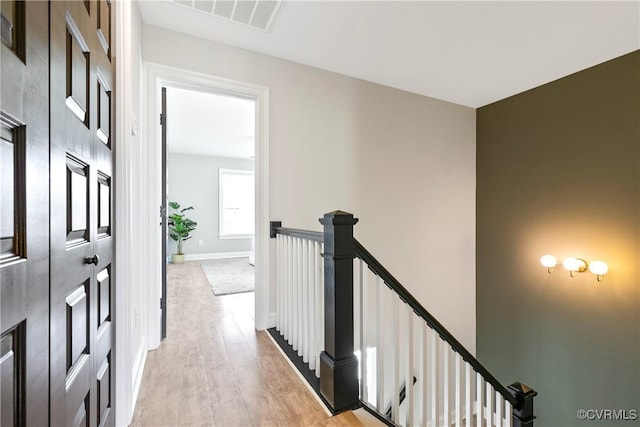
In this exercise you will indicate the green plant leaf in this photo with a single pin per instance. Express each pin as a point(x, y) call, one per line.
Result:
point(180, 226)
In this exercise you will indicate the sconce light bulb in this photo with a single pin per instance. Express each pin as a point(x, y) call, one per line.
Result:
point(548, 261)
point(571, 264)
point(574, 265)
point(599, 268)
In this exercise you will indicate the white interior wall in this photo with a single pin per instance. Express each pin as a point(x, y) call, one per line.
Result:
point(194, 181)
point(403, 163)
point(138, 293)
point(131, 201)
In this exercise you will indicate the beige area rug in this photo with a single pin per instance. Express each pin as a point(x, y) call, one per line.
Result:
point(229, 276)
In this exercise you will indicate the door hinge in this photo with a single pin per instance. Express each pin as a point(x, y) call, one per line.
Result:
point(163, 211)
point(161, 119)
point(163, 304)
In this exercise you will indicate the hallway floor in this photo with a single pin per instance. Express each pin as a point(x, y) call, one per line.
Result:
point(214, 368)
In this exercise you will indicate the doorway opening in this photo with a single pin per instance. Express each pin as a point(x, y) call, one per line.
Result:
point(209, 182)
point(235, 215)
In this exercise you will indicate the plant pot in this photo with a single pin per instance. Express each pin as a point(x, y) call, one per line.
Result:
point(177, 258)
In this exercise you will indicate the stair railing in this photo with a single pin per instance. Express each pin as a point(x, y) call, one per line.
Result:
point(299, 292)
point(367, 342)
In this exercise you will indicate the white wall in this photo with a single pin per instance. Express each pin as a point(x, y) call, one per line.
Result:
point(138, 329)
point(193, 181)
point(131, 216)
point(403, 163)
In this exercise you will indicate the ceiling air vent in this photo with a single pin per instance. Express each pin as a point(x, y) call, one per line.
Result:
point(258, 14)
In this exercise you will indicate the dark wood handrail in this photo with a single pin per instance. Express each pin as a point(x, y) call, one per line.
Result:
point(375, 266)
point(317, 236)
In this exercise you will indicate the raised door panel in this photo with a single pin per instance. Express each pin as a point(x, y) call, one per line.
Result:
point(104, 298)
point(77, 72)
point(77, 201)
point(104, 111)
point(104, 206)
point(80, 416)
point(13, 195)
point(104, 391)
point(104, 26)
point(77, 331)
point(12, 376)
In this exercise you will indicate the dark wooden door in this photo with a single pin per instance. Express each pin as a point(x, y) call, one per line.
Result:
point(24, 214)
point(81, 292)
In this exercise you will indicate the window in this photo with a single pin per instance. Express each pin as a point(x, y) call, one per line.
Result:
point(236, 200)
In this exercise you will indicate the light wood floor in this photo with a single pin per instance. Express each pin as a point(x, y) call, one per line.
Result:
point(215, 369)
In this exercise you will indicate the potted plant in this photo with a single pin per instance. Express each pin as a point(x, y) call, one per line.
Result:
point(180, 228)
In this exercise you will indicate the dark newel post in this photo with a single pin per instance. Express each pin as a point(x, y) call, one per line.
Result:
point(273, 225)
point(523, 410)
point(338, 364)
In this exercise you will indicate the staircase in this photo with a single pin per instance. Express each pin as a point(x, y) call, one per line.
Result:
point(363, 341)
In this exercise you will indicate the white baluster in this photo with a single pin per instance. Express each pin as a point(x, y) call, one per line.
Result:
point(380, 347)
point(294, 297)
point(479, 406)
point(424, 369)
point(282, 280)
point(305, 301)
point(468, 386)
point(446, 380)
point(278, 290)
point(311, 315)
point(409, 366)
point(433, 376)
point(489, 400)
point(296, 293)
point(499, 407)
point(364, 392)
point(458, 389)
point(287, 292)
point(357, 307)
point(300, 289)
point(322, 300)
point(508, 414)
point(292, 290)
point(319, 304)
point(395, 331)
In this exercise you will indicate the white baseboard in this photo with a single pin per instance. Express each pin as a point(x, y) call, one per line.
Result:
point(220, 255)
point(137, 372)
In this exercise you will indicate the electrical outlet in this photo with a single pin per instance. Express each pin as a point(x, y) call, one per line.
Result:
point(134, 125)
point(200, 242)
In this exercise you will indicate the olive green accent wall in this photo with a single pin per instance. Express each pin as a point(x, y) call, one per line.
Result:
point(558, 172)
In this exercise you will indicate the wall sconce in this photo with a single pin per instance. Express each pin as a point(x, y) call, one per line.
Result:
point(599, 268)
point(573, 265)
point(549, 261)
point(576, 265)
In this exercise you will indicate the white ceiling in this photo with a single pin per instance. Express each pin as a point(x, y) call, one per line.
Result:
point(471, 53)
point(210, 124)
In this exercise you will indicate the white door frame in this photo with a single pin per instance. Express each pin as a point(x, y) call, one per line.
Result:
point(122, 229)
point(157, 76)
